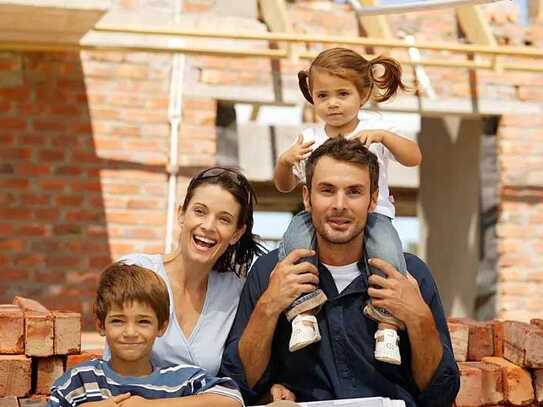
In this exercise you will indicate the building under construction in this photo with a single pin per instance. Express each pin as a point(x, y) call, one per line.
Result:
point(107, 109)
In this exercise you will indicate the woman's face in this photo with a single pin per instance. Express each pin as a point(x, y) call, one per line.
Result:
point(209, 224)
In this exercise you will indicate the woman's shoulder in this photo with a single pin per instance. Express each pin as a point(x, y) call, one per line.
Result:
point(151, 261)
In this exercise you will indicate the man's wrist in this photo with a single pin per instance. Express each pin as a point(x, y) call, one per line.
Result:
point(418, 320)
point(267, 307)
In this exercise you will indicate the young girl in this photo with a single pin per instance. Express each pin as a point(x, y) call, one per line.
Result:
point(338, 83)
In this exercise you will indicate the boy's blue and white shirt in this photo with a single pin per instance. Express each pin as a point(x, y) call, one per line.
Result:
point(95, 381)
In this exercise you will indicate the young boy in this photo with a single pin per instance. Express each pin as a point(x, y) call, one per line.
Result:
point(132, 308)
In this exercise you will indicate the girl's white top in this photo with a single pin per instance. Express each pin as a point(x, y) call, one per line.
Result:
point(205, 345)
point(368, 121)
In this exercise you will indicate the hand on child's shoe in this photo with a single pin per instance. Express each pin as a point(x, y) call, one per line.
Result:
point(397, 293)
point(280, 392)
point(297, 152)
point(368, 137)
point(289, 279)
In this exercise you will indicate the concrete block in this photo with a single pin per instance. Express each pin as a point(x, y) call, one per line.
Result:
point(459, 338)
point(67, 327)
point(47, 371)
point(39, 334)
point(11, 330)
point(517, 382)
point(15, 375)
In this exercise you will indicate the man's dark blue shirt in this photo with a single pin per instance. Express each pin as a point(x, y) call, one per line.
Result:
point(342, 364)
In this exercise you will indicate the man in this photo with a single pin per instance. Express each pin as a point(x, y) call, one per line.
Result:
point(341, 189)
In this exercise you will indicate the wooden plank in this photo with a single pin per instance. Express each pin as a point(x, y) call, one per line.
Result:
point(375, 26)
point(274, 13)
point(475, 25)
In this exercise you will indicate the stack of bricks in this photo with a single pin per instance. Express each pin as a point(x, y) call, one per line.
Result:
point(36, 347)
point(500, 362)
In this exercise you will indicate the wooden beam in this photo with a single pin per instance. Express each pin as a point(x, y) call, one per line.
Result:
point(475, 26)
point(375, 26)
point(535, 10)
point(274, 13)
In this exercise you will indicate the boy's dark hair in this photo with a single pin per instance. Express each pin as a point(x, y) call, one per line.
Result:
point(122, 283)
point(342, 149)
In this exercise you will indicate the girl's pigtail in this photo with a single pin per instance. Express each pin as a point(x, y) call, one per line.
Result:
point(303, 82)
point(389, 82)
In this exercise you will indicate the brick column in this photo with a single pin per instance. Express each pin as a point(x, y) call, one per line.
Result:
point(520, 222)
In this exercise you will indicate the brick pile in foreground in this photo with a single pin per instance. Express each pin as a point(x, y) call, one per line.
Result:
point(36, 347)
point(500, 362)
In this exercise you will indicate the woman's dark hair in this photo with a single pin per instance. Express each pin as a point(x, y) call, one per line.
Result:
point(238, 257)
point(352, 66)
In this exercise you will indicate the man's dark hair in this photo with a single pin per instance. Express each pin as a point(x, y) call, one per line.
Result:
point(348, 150)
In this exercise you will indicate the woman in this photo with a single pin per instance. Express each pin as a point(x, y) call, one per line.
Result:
point(206, 272)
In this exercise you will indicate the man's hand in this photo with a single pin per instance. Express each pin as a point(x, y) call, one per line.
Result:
point(368, 137)
point(397, 293)
point(297, 152)
point(114, 401)
point(288, 280)
point(280, 392)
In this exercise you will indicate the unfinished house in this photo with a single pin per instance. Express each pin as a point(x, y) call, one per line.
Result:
point(108, 107)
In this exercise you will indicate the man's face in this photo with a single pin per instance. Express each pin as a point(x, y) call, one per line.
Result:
point(339, 201)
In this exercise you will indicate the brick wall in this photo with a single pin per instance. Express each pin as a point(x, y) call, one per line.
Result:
point(84, 142)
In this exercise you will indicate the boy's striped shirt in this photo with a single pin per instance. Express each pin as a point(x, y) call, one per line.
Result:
point(95, 381)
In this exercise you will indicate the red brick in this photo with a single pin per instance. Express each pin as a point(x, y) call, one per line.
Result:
point(39, 334)
point(33, 401)
point(67, 332)
point(27, 304)
point(497, 329)
point(15, 375)
point(517, 382)
point(537, 322)
point(11, 329)
point(471, 384)
point(523, 344)
point(9, 401)
point(481, 338)
point(492, 382)
point(48, 370)
point(537, 375)
point(84, 356)
point(459, 338)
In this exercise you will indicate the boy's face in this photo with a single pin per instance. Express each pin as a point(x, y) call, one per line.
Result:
point(131, 332)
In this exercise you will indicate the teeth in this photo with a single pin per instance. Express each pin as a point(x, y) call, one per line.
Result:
point(205, 240)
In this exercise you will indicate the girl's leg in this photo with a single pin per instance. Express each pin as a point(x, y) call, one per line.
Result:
point(382, 241)
point(300, 234)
